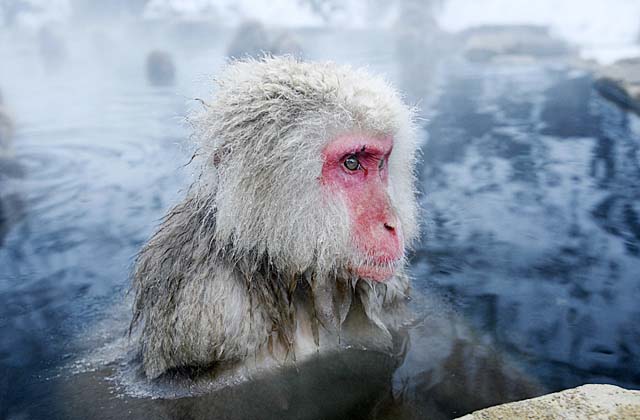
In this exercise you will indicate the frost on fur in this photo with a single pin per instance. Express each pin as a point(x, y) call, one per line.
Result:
point(255, 248)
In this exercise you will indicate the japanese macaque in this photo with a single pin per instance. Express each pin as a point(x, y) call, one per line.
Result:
point(420, 47)
point(161, 70)
point(292, 239)
point(253, 39)
point(53, 48)
point(285, 43)
point(10, 202)
point(6, 132)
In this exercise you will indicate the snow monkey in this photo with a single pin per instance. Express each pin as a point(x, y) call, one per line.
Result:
point(292, 239)
point(6, 132)
point(161, 70)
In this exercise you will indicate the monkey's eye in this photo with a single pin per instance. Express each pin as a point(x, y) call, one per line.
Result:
point(352, 163)
point(381, 164)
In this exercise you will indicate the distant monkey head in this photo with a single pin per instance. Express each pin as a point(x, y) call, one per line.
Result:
point(310, 165)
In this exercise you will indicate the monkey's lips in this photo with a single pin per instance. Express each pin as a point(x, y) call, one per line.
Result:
point(375, 272)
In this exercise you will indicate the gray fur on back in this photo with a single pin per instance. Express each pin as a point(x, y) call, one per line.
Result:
point(256, 247)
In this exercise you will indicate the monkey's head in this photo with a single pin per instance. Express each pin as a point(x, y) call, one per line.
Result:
point(310, 165)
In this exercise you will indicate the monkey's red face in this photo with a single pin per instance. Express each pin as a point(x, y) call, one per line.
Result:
point(355, 167)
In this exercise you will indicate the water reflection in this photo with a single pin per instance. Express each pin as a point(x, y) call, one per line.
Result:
point(530, 179)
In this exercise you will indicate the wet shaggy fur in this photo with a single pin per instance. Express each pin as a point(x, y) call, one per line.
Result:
point(253, 261)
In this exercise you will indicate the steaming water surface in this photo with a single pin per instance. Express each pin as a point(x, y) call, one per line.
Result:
point(531, 186)
point(527, 279)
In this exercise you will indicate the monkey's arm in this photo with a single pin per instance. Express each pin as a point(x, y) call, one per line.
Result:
point(193, 309)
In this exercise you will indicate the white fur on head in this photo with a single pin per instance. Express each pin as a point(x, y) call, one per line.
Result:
point(257, 244)
point(261, 141)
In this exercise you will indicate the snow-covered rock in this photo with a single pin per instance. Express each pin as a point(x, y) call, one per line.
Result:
point(587, 402)
point(488, 42)
point(620, 83)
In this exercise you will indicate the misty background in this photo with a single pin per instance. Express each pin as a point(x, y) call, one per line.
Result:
point(529, 179)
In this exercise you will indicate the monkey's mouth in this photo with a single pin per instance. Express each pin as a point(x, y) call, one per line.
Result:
point(375, 272)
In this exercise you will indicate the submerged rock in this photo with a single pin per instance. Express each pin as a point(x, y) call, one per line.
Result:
point(587, 402)
point(620, 83)
point(485, 43)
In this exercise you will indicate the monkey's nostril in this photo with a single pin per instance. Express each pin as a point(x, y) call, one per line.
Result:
point(389, 227)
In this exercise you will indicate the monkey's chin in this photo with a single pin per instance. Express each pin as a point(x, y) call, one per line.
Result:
point(377, 273)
